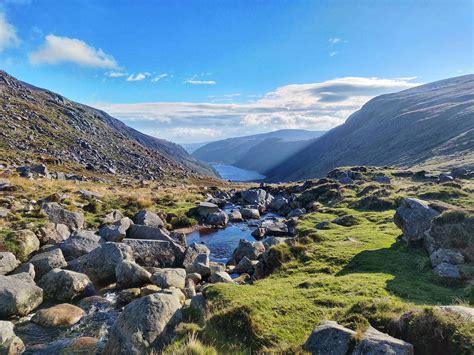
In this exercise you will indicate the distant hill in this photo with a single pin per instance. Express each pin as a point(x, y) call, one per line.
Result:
point(38, 122)
point(192, 147)
point(426, 124)
point(254, 150)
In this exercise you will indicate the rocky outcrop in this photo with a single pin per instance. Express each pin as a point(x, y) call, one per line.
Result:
point(18, 296)
point(65, 285)
point(145, 325)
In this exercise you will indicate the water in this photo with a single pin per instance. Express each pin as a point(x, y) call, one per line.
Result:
point(233, 173)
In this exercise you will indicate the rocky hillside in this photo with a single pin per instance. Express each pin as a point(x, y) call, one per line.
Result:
point(39, 123)
point(233, 150)
point(430, 124)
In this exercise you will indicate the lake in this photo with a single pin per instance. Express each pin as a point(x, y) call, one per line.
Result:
point(233, 173)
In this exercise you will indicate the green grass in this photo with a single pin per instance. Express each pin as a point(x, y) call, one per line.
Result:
point(336, 272)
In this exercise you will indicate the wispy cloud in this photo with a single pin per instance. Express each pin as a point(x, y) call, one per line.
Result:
point(57, 50)
point(318, 106)
point(159, 77)
point(200, 82)
point(334, 40)
point(8, 35)
point(116, 74)
point(138, 76)
point(332, 54)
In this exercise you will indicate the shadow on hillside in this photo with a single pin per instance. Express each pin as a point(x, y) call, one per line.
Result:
point(412, 281)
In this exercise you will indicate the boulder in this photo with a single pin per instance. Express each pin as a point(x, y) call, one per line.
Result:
point(18, 296)
point(445, 178)
point(254, 196)
point(82, 346)
point(192, 253)
point(117, 231)
point(414, 218)
point(296, 212)
point(218, 218)
point(145, 325)
point(65, 285)
point(112, 217)
point(58, 214)
point(45, 262)
point(149, 290)
point(248, 249)
point(206, 208)
point(10, 344)
point(148, 218)
point(375, 342)
point(201, 265)
point(220, 276)
point(446, 256)
point(268, 242)
point(275, 228)
point(235, 216)
point(447, 270)
point(166, 278)
point(8, 262)
point(61, 315)
point(54, 233)
point(250, 213)
point(129, 274)
point(179, 238)
point(156, 253)
point(80, 243)
point(245, 265)
point(382, 179)
point(345, 180)
point(100, 263)
point(278, 204)
point(322, 225)
point(27, 269)
point(462, 311)
point(137, 231)
point(27, 243)
point(347, 220)
point(126, 296)
point(329, 338)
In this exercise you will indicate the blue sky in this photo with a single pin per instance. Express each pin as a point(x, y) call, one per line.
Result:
point(193, 71)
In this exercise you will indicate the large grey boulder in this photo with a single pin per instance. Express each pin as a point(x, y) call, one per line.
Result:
point(329, 338)
point(447, 270)
point(10, 344)
point(145, 325)
point(166, 278)
point(206, 208)
point(219, 218)
point(250, 213)
point(54, 233)
point(100, 263)
point(463, 311)
point(254, 196)
point(375, 342)
point(61, 315)
point(65, 285)
point(278, 204)
point(245, 265)
point(235, 216)
point(8, 262)
point(446, 256)
point(275, 228)
point(46, 261)
point(156, 253)
point(220, 277)
point(19, 295)
point(414, 218)
point(297, 212)
point(80, 243)
point(148, 218)
point(129, 274)
point(112, 217)
point(192, 252)
point(137, 231)
point(58, 214)
point(248, 249)
point(117, 231)
point(27, 242)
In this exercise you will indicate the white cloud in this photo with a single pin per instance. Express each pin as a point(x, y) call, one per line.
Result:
point(116, 74)
point(159, 77)
point(138, 76)
point(182, 134)
point(56, 50)
point(334, 40)
point(8, 36)
point(317, 106)
point(332, 54)
point(200, 82)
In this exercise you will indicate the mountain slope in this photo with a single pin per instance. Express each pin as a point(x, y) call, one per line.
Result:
point(36, 121)
point(413, 127)
point(231, 150)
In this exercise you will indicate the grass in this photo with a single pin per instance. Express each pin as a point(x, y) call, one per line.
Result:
point(334, 277)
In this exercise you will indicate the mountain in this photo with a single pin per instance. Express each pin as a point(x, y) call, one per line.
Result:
point(426, 125)
point(192, 147)
point(38, 122)
point(237, 151)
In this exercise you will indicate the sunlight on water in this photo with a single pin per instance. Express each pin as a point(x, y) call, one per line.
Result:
point(233, 173)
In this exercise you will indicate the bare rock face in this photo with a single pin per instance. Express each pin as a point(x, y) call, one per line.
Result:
point(146, 324)
point(19, 295)
point(61, 315)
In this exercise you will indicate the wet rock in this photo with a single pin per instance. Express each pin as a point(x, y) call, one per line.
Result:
point(95, 302)
point(329, 338)
point(117, 231)
point(10, 344)
point(218, 218)
point(145, 325)
point(446, 256)
point(148, 218)
point(235, 216)
point(27, 243)
point(250, 213)
point(169, 277)
point(375, 342)
point(259, 233)
point(81, 346)
point(61, 315)
point(80, 243)
point(248, 249)
point(414, 218)
point(206, 208)
point(254, 196)
point(8, 262)
point(156, 253)
point(45, 262)
point(100, 263)
point(129, 274)
point(18, 296)
point(65, 285)
point(220, 276)
point(447, 270)
point(58, 214)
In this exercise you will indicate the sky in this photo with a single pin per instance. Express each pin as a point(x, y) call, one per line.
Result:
point(201, 70)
